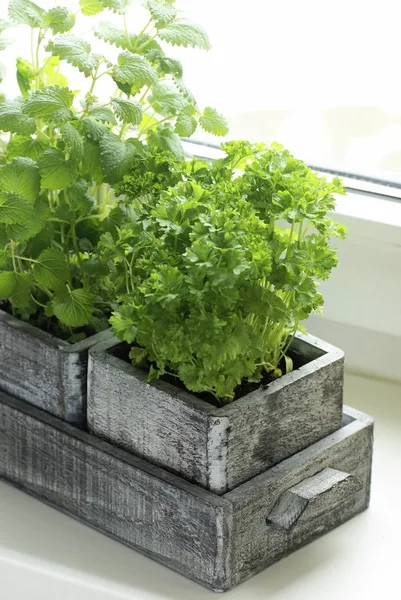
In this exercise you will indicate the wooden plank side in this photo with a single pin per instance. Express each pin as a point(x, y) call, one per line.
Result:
point(43, 370)
point(218, 448)
point(174, 522)
point(284, 418)
point(154, 421)
point(257, 541)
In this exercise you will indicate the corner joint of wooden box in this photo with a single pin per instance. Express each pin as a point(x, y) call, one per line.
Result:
point(217, 452)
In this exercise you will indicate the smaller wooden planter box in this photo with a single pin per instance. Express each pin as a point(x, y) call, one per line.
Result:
point(218, 541)
point(43, 370)
point(218, 448)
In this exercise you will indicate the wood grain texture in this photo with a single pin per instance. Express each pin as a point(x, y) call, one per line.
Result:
point(180, 525)
point(258, 541)
point(216, 541)
point(43, 370)
point(217, 448)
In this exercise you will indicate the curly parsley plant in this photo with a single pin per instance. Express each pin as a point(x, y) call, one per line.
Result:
point(214, 274)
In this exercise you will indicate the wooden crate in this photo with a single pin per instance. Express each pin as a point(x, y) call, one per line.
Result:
point(217, 448)
point(218, 541)
point(41, 369)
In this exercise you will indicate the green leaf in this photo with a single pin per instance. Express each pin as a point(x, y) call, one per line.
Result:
point(91, 161)
point(52, 103)
point(73, 308)
point(4, 25)
point(73, 141)
point(166, 65)
point(185, 125)
point(25, 76)
point(102, 113)
point(79, 199)
point(167, 100)
point(51, 269)
point(181, 33)
point(76, 51)
point(134, 69)
point(52, 72)
point(164, 138)
point(56, 171)
point(128, 111)
point(26, 146)
point(59, 19)
point(21, 296)
point(21, 176)
point(26, 13)
point(117, 6)
point(213, 122)
point(2, 73)
point(4, 42)
point(115, 157)
point(92, 129)
point(13, 120)
point(8, 281)
point(14, 209)
point(110, 33)
point(33, 223)
point(162, 14)
point(90, 7)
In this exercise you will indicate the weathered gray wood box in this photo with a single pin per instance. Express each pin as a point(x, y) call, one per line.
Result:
point(41, 369)
point(218, 541)
point(217, 448)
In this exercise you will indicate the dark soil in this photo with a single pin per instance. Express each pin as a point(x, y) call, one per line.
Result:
point(50, 325)
point(122, 351)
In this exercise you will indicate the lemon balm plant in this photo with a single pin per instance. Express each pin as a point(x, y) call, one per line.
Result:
point(61, 149)
point(64, 149)
point(217, 265)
